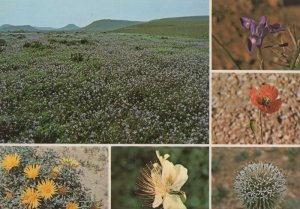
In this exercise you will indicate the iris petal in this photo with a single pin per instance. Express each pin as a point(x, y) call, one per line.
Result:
point(246, 22)
point(251, 43)
point(276, 28)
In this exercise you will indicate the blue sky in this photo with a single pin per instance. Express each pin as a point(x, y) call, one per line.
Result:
point(58, 13)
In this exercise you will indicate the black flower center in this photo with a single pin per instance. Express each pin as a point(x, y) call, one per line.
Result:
point(265, 101)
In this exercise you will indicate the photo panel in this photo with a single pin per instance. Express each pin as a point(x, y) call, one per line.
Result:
point(54, 177)
point(160, 177)
point(105, 72)
point(253, 35)
point(255, 108)
point(256, 177)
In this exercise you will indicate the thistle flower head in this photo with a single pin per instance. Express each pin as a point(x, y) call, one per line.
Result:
point(10, 161)
point(69, 162)
point(72, 205)
point(32, 171)
point(260, 186)
point(31, 198)
point(47, 189)
point(161, 183)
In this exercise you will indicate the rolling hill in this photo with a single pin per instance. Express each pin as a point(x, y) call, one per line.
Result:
point(109, 25)
point(69, 27)
point(193, 27)
point(8, 28)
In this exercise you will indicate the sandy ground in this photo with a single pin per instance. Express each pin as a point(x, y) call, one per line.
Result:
point(226, 165)
point(227, 28)
point(94, 163)
point(232, 109)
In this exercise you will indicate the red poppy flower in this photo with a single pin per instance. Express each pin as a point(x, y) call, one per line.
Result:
point(266, 98)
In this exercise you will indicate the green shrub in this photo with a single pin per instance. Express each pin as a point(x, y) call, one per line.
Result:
point(241, 156)
point(3, 42)
point(84, 41)
point(77, 57)
point(21, 36)
point(40, 180)
point(219, 193)
point(34, 44)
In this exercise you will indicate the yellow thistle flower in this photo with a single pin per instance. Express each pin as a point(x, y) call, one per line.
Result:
point(56, 169)
point(69, 162)
point(11, 161)
point(72, 205)
point(46, 189)
point(31, 198)
point(32, 171)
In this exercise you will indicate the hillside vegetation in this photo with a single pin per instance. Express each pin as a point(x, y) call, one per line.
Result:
point(108, 25)
point(191, 27)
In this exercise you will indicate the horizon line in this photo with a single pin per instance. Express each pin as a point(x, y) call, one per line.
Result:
point(105, 19)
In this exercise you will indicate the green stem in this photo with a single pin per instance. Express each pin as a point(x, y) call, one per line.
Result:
point(261, 128)
point(261, 59)
point(226, 52)
point(295, 56)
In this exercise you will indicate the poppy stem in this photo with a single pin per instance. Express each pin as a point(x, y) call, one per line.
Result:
point(261, 127)
point(261, 59)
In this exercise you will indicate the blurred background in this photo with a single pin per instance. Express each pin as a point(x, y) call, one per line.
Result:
point(232, 109)
point(127, 162)
point(227, 28)
point(227, 161)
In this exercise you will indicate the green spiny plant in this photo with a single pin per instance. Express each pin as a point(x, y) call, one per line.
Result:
point(260, 186)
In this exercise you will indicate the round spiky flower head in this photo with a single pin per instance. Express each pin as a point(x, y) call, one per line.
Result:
point(69, 162)
point(47, 189)
point(260, 186)
point(10, 161)
point(31, 198)
point(32, 171)
point(72, 205)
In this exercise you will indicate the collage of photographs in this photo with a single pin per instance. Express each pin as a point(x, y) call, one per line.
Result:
point(140, 104)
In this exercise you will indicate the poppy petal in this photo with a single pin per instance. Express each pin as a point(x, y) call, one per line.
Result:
point(269, 92)
point(274, 106)
point(253, 96)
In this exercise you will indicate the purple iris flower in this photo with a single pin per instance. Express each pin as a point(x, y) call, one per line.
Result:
point(258, 32)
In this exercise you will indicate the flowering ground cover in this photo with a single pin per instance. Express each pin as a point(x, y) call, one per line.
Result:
point(103, 88)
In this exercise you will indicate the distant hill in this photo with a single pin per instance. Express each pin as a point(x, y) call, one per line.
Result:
point(44, 28)
point(109, 25)
point(193, 27)
point(69, 27)
point(8, 28)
